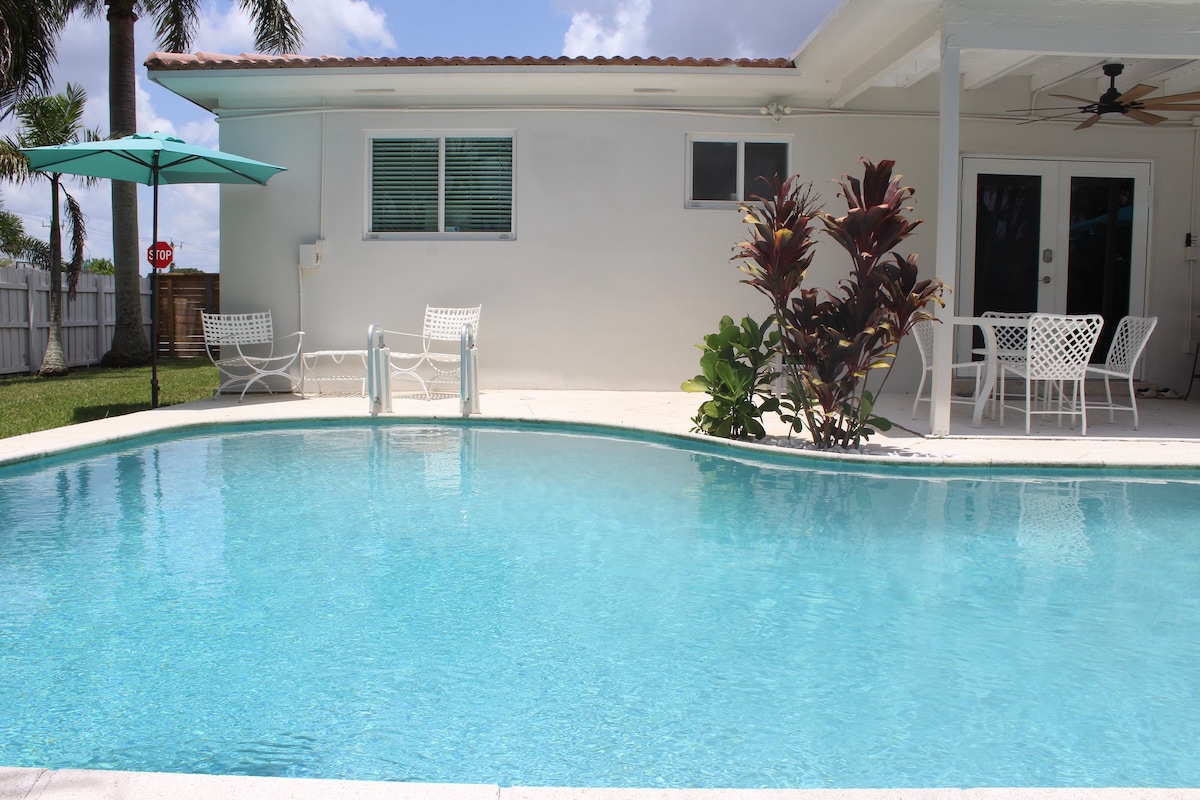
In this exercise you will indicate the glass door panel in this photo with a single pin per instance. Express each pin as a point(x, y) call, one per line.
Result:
point(1100, 252)
point(1007, 242)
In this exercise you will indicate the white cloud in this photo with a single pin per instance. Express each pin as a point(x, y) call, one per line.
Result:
point(228, 31)
point(606, 30)
point(330, 27)
point(697, 28)
point(343, 27)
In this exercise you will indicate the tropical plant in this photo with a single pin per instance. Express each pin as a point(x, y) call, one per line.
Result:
point(46, 121)
point(16, 245)
point(275, 31)
point(779, 251)
point(735, 371)
point(99, 266)
point(832, 342)
point(29, 31)
point(12, 235)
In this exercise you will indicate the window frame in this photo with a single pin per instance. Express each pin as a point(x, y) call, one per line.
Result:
point(441, 233)
point(740, 140)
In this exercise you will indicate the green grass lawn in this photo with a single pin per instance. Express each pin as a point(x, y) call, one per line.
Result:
point(30, 403)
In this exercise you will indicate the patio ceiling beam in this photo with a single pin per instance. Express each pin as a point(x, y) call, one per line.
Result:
point(907, 46)
point(1148, 69)
point(989, 68)
point(1061, 70)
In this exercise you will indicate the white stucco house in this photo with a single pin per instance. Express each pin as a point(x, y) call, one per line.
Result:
point(598, 223)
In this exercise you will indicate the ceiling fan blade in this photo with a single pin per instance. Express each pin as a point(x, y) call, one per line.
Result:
point(1073, 109)
point(1141, 90)
point(1171, 98)
point(1142, 116)
point(1043, 119)
point(1089, 122)
point(1085, 101)
point(1173, 107)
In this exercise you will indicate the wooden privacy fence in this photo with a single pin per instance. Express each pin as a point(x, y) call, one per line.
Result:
point(89, 319)
point(181, 298)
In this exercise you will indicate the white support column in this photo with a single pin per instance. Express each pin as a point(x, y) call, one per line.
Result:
point(947, 236)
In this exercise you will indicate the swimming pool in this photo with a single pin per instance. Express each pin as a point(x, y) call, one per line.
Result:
point(542, 606)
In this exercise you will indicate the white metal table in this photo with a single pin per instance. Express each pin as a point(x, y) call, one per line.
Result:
point(342, 359)
point(992, 355)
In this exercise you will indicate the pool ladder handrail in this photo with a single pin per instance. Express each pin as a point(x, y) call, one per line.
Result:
point(379, 373)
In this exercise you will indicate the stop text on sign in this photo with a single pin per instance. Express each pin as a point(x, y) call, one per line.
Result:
point(160, 255)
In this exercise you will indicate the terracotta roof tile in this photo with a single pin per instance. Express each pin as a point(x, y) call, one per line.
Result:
point(183, 61)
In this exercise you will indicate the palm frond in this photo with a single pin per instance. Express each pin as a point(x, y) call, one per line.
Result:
point(275, 29)
point(176, 22)
point(29, 34)
point(77, 230)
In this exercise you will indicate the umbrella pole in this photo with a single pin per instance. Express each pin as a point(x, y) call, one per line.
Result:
point(154, 298)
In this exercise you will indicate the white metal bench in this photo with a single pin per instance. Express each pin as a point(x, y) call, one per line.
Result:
point(245, 350)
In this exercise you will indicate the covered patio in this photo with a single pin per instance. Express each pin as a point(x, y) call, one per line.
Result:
point(1024, 61)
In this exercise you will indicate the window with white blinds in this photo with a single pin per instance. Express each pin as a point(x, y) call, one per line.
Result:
point(442, 185)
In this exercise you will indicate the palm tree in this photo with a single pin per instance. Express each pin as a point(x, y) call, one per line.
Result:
point(275, 31)
point(29, 32)
point(46, 121)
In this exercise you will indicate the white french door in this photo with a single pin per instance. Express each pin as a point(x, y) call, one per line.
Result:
point(1063, 237)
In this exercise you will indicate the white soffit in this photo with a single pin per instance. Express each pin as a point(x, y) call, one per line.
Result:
point(867, 44)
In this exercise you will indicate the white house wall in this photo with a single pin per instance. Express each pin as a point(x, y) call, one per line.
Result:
point(610, 281)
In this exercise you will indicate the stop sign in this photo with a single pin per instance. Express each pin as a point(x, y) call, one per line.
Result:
point(160, 255)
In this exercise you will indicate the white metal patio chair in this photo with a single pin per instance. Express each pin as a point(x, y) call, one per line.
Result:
point(1057, 351)
point(923, 333)
point(1126, 348)
point(245, 350)
point(1010, 348)
point(439, 360)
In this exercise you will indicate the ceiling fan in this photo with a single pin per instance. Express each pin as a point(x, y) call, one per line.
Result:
point(1129, 103)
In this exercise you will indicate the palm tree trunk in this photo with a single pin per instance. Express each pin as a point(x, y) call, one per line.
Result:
point(129, 345)
point(54, 362)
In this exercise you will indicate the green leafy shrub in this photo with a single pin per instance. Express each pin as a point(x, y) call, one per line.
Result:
point(735, 371)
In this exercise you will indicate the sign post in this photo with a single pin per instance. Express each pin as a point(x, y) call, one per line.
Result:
point(160, 255)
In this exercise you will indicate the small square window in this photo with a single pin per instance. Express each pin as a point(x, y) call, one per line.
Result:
point(728, 171)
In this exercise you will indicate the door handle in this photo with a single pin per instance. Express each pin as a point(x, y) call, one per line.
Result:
point(1045, 279)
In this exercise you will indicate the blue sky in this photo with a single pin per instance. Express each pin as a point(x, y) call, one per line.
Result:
point(700, 28)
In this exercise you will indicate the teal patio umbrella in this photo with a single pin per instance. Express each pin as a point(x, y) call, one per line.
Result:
point(153, 159)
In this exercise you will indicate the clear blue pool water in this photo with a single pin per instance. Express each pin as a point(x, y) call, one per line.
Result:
point(525, 606)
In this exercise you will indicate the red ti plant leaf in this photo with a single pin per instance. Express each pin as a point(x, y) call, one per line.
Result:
point(777, 256)
point(858, 328)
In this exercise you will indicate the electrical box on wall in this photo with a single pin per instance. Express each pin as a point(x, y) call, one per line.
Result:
point(310, 254)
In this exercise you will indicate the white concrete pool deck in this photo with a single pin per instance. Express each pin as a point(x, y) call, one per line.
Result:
point(1169, 436)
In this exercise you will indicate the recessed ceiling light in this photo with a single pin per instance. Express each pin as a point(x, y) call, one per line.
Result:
point(652, 90)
